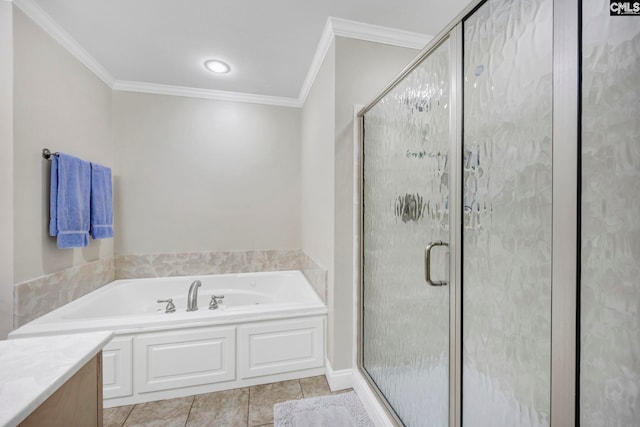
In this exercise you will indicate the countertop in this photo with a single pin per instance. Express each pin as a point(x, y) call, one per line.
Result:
point(32, 369)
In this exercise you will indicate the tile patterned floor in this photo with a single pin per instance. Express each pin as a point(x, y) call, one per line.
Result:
point(242, 407)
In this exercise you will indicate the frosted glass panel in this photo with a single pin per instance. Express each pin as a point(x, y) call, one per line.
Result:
point(406, 321)
point(610, 279)
point(507, 214)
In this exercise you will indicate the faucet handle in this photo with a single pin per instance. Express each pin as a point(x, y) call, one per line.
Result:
point(171, 307)
point(215, 300)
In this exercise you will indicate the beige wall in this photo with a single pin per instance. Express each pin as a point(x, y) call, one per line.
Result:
point(363, 69)
point(317, 163)
point(59, 104)
point(193, 174)
point(318, 129)
point(353, 72)
point(204, 175)
point(6, 168)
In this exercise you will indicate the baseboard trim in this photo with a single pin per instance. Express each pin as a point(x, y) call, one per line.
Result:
point(338, 380)
point(370, 402)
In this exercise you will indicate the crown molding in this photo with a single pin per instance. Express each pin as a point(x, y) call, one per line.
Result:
point(40, 17)
point(334, 27)
point(361, 31)
point(318, 57)
point(379, 34)
point(191, 92)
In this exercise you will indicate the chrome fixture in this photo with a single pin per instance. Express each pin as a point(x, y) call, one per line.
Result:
point(46, 154)
point(215, 300)
point(427, 264)
point(192, 299)
point(171, 307)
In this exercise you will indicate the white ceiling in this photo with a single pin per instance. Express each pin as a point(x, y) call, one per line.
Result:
point(269, 44)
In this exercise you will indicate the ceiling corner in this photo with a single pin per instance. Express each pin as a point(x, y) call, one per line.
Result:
point(42, 19)
point(318, 57)
point(361, 31)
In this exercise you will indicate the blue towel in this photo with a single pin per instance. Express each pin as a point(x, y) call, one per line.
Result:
point(69, 197)
point(101, 202)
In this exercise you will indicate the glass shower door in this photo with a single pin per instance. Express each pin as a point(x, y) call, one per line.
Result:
point(405, 319)
point(507, 236)
point(610, 264)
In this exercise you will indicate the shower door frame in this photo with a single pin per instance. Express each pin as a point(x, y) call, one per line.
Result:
point(564, 358)
point(453, 32)
point(565, 277)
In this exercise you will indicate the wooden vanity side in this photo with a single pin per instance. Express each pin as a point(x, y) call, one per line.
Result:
point(78, 403)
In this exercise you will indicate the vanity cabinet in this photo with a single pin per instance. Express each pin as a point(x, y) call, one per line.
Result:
point(77, 403)
point(53, 380)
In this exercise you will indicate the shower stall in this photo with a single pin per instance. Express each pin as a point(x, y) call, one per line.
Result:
point(500, 221)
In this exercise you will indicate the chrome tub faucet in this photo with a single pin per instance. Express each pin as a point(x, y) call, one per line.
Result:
point(192, 298)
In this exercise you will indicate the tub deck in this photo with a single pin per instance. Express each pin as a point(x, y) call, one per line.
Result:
point(130, 305)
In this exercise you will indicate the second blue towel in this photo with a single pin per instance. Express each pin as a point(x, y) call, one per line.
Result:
point(101, 202)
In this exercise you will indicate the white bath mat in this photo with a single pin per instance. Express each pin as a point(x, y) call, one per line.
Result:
point(339, 410)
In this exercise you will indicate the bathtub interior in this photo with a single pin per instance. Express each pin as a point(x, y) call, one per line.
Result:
point(123, 299)
point(133, 302)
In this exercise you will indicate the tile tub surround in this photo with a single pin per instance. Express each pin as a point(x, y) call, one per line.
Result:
point(317, 277)
point(199, 263)
point(241, 407)
point(36, 297)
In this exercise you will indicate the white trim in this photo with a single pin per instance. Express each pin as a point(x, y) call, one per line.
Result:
point(374, 409)
point(192, 92)
point(44, 21)
point(379, 34)
point(318, 57)
point(361, 31)
point(357, 163)
point(455, 226)
point(334, 27)
point(174, 393)
point(565, 215)
point(338, 380)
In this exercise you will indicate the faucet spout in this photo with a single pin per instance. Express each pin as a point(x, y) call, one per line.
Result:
point(192, 298)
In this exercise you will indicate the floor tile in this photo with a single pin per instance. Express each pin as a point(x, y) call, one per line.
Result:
point(345, 390)
point(115, 417)
point(163, 413)
point(315, 386)
point(263, 397)
point(228, 408)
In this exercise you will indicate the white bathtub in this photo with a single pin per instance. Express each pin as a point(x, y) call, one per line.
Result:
point(131, 304)
point(271, 327)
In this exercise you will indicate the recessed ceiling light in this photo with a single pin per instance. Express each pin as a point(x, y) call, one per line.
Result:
point(217, 66)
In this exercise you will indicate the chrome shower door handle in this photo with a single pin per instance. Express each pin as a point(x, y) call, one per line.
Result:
point(427, 263)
